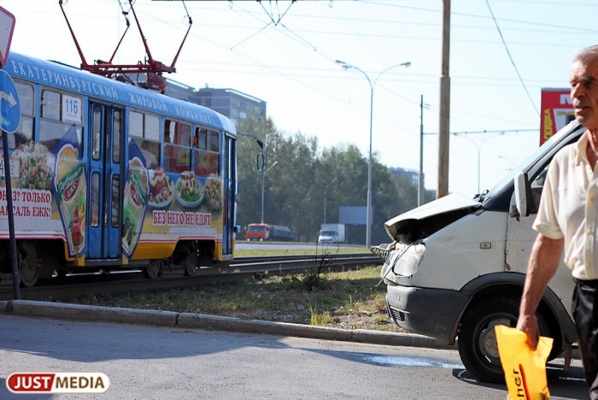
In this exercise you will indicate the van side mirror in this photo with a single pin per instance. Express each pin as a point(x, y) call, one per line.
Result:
point(522, 190)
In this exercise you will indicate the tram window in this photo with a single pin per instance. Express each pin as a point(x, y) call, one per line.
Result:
point(144, 129)
point(183, 134)
point(152, 127)
point(177, 146)
point(95, 199)
point(24, 132)
point(135, 124)
point(213, 141)
point(115, 217)
point(51, 105)
point(228, 157)
point(96, 138)
point(168, 131)
point(53, 123)
point(51, 132)
point(201, 138)
point(206, 161)
point(150, 151)
point(116, 135)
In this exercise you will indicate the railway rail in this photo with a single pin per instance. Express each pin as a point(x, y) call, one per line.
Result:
point(242, 268)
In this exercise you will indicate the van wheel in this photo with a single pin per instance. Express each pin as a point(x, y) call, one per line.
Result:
point(477, 340)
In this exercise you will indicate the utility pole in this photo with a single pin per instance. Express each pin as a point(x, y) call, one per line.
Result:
point(445, 88)
point(420, 182)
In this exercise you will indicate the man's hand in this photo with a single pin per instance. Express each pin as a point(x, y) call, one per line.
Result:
point(528, 324)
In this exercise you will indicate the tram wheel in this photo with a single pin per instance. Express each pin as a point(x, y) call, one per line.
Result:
point(153, 269)
point(29, 267)
point(190, 263)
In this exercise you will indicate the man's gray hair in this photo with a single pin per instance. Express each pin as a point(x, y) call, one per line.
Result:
point(588, 55)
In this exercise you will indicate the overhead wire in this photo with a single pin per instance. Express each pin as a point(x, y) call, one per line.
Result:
point(301, 71)
point(511, 59)
point(296, 74)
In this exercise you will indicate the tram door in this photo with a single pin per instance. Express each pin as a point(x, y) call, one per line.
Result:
point(106, 126)
point(228, 208)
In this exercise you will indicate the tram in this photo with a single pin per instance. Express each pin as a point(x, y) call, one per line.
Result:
point(106, 175)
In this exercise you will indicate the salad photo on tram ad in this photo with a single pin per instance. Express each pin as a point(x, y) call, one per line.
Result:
point(135, 201)
point(70, 187)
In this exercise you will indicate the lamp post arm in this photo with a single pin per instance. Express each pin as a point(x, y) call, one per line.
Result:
point(259, 141)
point(346, 65)
point(405, 64)
point(478, 146)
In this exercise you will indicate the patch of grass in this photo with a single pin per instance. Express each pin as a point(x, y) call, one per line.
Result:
point(290, 251)
point(348, 300)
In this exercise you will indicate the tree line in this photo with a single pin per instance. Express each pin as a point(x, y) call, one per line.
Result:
point(301, 183)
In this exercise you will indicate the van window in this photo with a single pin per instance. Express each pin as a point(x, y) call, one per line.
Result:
point(537, 185)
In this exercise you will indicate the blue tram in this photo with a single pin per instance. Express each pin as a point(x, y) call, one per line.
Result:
point(107, 175)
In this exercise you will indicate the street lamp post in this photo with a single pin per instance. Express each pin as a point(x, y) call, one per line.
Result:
point(264, 184)
point(479, 149)
point(344, 65)
point(262, 165)
point(264, 180)
point(420, 175)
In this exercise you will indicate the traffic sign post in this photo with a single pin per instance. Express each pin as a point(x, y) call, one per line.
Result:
point(7, 27)
point(10, 115)
point(11, 219)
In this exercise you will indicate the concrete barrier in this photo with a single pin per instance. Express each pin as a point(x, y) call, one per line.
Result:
point(77, 312)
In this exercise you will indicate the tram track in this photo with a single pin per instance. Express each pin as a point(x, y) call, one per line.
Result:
point(240, 269)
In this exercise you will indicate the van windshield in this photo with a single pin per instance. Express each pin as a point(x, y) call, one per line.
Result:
point(532, 158)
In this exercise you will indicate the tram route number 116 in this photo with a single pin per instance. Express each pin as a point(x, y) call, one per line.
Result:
point(14, 164)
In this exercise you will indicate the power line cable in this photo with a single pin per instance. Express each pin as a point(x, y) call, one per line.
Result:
point(511, 58)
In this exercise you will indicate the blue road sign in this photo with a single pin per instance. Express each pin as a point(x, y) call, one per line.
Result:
point(10, 109)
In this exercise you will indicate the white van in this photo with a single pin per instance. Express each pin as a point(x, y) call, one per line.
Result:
point(456, 267)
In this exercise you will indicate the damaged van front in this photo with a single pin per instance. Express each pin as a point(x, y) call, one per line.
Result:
point(456, 266)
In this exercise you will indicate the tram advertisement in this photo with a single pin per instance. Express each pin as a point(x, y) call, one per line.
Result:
point(70, 187)
point(186, 204)
point(135, 199)
point(49, 191)
point(32, 168)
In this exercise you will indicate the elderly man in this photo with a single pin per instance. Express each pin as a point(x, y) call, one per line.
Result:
point(567, 221)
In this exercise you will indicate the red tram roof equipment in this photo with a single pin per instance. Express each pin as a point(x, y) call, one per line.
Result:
point(152, 68)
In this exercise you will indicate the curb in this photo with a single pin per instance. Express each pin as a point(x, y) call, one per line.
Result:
point(77, 312)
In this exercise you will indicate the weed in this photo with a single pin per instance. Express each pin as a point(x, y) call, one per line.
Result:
point(313, 315)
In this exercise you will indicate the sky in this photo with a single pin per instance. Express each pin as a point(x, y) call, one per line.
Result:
point(502, 53)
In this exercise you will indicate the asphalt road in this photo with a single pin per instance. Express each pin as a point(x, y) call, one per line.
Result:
point(149, 362)
point(167, 355)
